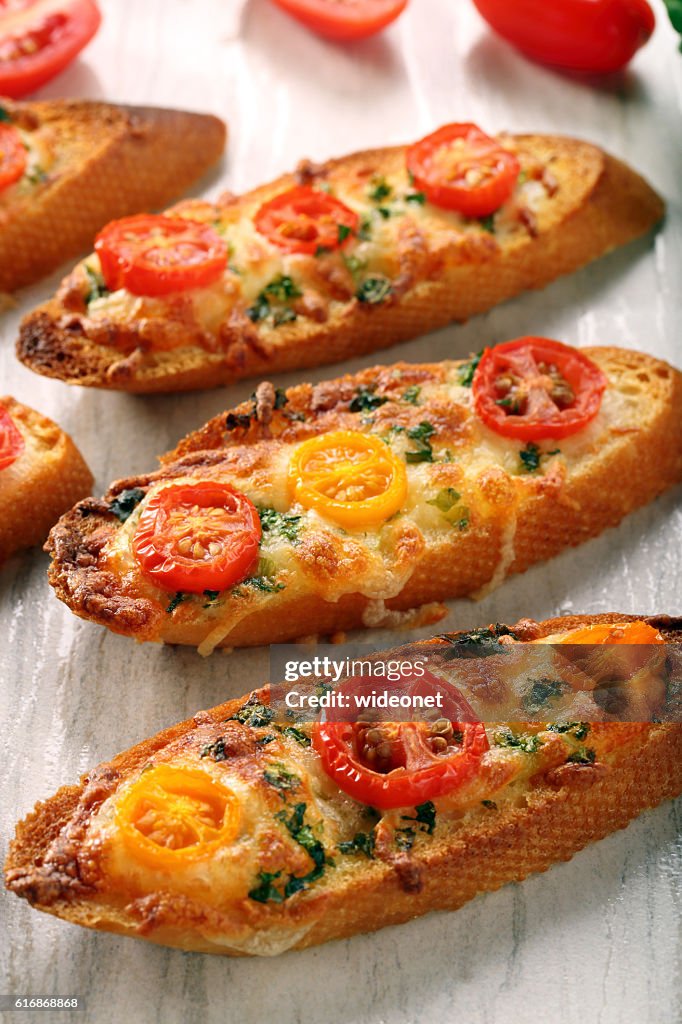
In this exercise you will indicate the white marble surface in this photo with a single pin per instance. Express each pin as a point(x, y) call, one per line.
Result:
point(595, 940)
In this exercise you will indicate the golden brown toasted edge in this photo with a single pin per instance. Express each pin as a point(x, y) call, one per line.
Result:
point(114, 161)
point(653, 463)
point(620, 207)
point(558, 819)
point(53, 475)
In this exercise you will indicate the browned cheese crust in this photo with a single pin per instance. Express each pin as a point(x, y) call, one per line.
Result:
point(46, 479)
point(441, 269)
point(630, 454)
point(103, 162)
point(476, 847)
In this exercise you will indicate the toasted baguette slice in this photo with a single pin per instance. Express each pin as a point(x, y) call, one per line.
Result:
point(45, 480)
point(89, 163)
point(315, 577)
point(527, 807)
point(573, 203)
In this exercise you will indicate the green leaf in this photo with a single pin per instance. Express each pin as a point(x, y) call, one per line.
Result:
point(97, 288)
point(4, 114)
point(266, 890)
point(674, 8)
point(280, 523)
point(374, 290)
point(296, 734)
point(279, 777)
point(416, 197)
point(343, 231)
point(488, 223)
point(530, 743)
point(379, 190)
point(421, 435)
point(366, 401)
point(178, 599)
point(426, 816)
point(467, 370)
point(125, 503)
point(411, 395)
point(254, 714)
point(362, 842)
point(542, 693)
point(530, 458)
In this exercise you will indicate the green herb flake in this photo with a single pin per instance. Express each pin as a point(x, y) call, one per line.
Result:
point(280, 523)
point(365, 400)
point(296, 734)
point(323, 250)
point(280, 778)
point(488, 223)
point(467, 370)
point(404, 838)
point(303, 835)
point(542, 693)
point(365, 229)
point(577, 729)
point(281, 289)
point(483, 636)
point(379, 190)
point(265, 584)
point(416, 197)
point(342, 233)
point(177, 600)
point(215, 750)
point(529, 743)
point(411, 395)
point(583, 755)
point(4, 114)
point(125, 503)
point(266, 891)
point(96, 286)
point(421, 435)
point(286, 315)
point(674, 8)
point(447, 502)
point(254, 714)
point(489, 804)
point(374, 290)
point(426, 816)
point(362, 842)
point(530, 458)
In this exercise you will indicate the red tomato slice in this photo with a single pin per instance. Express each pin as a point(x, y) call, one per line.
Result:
point(350, 19)
point(535, 388)
point(156, 255)
point(399, 764)
point(12, 155)
point(196, 537)
point(11, 440)
point(461, 168)
point(579, 35)
point(304, 220)
point(38, 38)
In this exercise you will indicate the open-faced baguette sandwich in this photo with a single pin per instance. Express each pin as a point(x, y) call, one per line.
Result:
point(230, 833)
point(351, 502)
point(42, 474)
point(334, 261)
point(69, 166)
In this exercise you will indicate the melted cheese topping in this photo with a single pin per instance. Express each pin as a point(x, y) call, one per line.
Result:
point(399, 239)
point(481, 472)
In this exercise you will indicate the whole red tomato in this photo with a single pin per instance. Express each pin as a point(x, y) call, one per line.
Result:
point(579, 35)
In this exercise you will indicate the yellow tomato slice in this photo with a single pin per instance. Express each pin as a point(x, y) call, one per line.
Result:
point(613, 633)
point(175, 815)
point(352, 478)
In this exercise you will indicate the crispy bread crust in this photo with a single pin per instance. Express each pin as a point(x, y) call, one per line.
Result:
point(551, 824)
point(42, 484)
point(548, 521)
point(113, 161)
point(604, 204)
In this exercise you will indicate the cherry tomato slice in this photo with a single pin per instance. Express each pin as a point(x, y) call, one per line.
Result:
point(173, 816)
point(399, 764)
point(615, 633)
point(11, 440)
point(535, 388)
point(579, 35)
point(461, 168)
point(352, 19)
point(352, 478)
point(156, 255)
point(304, 220)
point(198, 536)
point(12, 155)
point(38, 38)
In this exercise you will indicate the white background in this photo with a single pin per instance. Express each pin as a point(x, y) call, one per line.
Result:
point(595, 940)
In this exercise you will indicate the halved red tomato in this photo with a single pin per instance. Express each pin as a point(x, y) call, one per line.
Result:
point(38, 38)
point(350, 19)
point(12, 155)
point(399, 764)
point(461, 168)
point(198, 536)
point(534, 388)
point(304, 220)
point(11, 440)
point(151, 254)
